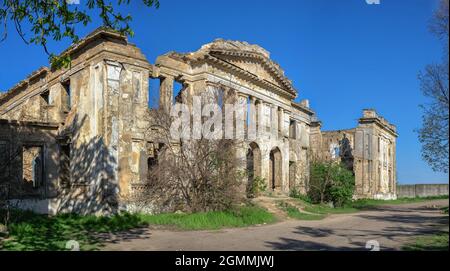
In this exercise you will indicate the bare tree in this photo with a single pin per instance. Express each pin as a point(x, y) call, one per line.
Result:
point(191, 175)
point(434, 85)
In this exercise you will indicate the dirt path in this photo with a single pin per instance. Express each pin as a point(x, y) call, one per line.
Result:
point(391, 226)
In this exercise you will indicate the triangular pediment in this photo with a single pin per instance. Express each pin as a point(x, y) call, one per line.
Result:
point(247, 60)
point(257, 66)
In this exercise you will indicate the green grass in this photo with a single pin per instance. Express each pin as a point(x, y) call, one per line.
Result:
point(238, 217)
point(30, 231)
point(294, 212)
point(351, 207)
point(370, 203)
point(434, 242)
point(429, 242)
point(323, 209)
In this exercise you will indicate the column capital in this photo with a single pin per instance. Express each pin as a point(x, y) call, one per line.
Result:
point(167, 76)
point(242, 95)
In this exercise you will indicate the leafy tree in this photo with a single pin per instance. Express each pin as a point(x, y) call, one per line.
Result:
point(434, 85)
point(330, 181)
point(37, 21)
point(343, 187)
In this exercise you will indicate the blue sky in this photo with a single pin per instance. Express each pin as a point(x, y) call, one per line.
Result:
point(342, 55)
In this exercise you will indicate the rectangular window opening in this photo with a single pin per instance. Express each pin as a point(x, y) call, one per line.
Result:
point(66, 96)
point(178, 88)
point(32, 166)
point(46, 97)
point(153, 92)
point(292, 132)
point(65, 164)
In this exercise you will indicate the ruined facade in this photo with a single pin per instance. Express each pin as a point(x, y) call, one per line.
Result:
point(368, 150)
point(77, 139)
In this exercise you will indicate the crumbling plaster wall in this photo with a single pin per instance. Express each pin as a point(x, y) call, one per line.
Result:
point(369, 152)
point(100, 124)
point(274, 106)
point(106, 122)
point(21, 142)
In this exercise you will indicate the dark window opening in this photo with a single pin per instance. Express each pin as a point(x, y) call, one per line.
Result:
point(154, 152)
point(292, 130)
point(152, 163)
point(65, 164)
point(46, 97)
point(32, 166)
point(66, 96)
point(4, 161)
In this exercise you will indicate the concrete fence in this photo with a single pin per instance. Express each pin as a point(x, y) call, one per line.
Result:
point(421, 190)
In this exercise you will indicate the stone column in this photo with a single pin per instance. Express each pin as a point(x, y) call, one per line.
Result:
point(252, 127)
point(186, 94)
point(280, 121)
point(166, 93)
point(286, 123)
point(297, 130)
point(274, 121)
point(266, 120)
point(241, 117)
point(394, 169)
point(259, 118)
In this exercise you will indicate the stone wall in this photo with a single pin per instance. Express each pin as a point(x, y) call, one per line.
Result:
point(369, 150)
point(97, 116)
point(421, 190)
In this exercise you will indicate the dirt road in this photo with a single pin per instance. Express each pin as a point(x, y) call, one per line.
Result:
point(391, 226)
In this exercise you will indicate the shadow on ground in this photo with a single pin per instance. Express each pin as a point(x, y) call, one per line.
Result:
point(411, 222)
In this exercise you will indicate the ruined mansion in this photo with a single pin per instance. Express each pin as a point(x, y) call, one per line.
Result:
point(75, 138)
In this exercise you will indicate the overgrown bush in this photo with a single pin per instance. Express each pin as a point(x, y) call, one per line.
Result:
point(258, 186)
point(196, 175)
point(295, 193)
point(331, 182)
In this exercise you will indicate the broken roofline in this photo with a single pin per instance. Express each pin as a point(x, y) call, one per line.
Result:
point(101, 32)
point(107, 33)
point(219, 47)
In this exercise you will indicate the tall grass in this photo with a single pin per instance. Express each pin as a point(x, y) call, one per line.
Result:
point(370, 203)
point(238, 217)
point(30, 231)
point(436, 242)
point(294, 212)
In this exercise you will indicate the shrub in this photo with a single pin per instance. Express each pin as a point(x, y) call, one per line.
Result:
point(343, 187)
point(258, 186)
point(331, 182)
point(295, 193)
